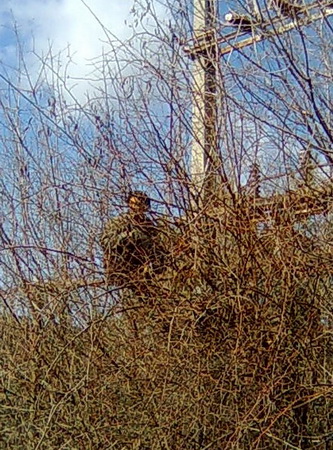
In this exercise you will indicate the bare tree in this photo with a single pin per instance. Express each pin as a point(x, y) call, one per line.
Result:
point(230, 345)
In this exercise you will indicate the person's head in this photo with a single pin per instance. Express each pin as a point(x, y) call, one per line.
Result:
point(138, 202)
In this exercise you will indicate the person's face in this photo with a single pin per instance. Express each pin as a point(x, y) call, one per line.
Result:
point(137, 205)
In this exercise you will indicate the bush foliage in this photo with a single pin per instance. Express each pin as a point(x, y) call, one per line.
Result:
point(231, 347)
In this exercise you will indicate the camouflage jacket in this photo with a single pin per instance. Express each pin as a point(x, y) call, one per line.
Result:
point(129, 244)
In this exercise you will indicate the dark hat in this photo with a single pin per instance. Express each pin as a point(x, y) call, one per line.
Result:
point(140, 195)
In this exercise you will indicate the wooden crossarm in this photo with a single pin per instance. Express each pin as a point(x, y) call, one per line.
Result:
point(299, 204)
point(205, 42)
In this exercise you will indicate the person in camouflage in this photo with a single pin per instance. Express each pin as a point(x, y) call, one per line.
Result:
point(131, 243)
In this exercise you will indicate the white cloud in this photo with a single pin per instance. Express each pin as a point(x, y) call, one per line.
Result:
point(62, 24)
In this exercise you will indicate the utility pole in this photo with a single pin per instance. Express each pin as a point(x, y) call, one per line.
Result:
point(205, 160)
point(205, 50)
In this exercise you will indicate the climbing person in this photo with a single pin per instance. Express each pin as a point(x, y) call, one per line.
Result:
point(131, 242)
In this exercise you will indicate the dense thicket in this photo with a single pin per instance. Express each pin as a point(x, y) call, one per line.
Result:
point(228, 347)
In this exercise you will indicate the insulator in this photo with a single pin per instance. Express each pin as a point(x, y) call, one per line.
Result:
point(254, 180)
point(243, 22)
point(306, 166)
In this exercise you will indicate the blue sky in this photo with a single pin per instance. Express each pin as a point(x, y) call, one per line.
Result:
point(61, 23)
